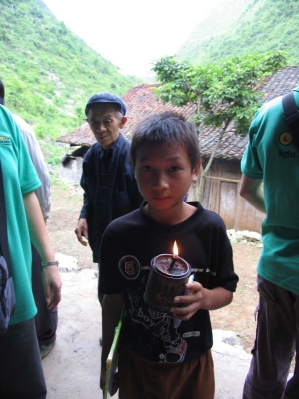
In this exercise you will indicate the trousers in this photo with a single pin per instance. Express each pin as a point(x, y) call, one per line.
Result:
point(277, 340)
point(21, 373)
point(141, 378)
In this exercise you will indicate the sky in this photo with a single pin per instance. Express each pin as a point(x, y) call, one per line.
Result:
point(132, 33)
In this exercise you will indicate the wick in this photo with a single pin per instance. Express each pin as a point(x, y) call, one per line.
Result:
point(172, 263)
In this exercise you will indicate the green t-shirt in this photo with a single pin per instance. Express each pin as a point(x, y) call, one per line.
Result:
point(19, 177)
point(271, 156)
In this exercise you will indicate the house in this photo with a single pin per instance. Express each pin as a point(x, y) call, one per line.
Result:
point(222, 182)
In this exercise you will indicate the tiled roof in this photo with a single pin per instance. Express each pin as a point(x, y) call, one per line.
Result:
point(140, 101)
point(81, 136)
point(281, 83)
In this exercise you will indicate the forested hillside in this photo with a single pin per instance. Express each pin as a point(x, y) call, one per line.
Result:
point(244, 26)
point(49, 72)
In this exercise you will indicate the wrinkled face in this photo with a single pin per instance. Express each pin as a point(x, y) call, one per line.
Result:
point(164, 175)
point(105, 123)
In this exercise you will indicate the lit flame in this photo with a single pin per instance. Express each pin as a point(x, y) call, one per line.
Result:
point(175, 249)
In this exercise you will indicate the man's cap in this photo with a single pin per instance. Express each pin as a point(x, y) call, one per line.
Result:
point(107, 98)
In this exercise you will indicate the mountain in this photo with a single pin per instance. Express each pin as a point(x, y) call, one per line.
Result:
point(48, 72)
point(244, 26)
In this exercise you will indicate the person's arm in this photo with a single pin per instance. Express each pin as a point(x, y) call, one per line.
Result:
point(81, 229)
point(40, 239)
point(251, 190)
point(43, 193)
point(111, 310)
point(200, 298)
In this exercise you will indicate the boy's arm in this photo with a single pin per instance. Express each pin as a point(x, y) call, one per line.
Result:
point(111, 310)
point(200, 298)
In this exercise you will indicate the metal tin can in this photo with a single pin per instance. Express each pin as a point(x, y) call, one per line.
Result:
point(165, 283)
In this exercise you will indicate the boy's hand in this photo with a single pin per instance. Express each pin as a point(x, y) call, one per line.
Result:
point(200, 298)
point(190, 303)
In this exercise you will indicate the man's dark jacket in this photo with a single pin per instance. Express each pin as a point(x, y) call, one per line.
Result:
point(108, 192)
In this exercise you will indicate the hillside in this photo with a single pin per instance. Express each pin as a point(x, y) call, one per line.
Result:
point(49, 72)
point(244, 26)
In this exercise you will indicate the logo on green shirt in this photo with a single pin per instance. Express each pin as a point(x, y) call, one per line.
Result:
point(4, 140)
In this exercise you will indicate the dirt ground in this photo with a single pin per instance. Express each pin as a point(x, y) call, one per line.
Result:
point(237, 317)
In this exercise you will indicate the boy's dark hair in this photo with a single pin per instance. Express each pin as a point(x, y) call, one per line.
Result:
point(170, 127)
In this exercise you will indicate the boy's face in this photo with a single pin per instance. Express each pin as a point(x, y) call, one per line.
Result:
point(105, 123)
point(163, 173)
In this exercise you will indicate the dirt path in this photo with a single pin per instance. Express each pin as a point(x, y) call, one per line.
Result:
point(238, 317)
point(66, 204)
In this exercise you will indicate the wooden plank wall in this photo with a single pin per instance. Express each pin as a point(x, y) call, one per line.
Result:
point(221, 195)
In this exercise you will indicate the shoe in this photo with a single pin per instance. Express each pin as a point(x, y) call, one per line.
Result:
point(45, 349)
point(101, 341)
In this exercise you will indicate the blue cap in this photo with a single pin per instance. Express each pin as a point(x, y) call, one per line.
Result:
point(107, 98)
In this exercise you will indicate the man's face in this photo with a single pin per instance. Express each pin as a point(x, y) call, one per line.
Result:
point(105, 123)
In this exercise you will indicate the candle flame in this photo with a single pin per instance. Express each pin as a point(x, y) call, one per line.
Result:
point(175, 249)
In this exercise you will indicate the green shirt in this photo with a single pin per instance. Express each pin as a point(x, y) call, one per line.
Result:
point(19, 177)
point(271, 156)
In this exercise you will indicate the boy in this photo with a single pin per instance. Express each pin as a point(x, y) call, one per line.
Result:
point(157, 357)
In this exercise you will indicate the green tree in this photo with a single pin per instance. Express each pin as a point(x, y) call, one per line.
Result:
point(224, 92)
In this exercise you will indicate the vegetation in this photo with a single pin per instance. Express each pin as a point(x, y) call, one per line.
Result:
point(49, 72)
point(241, 27)
point(224, 92)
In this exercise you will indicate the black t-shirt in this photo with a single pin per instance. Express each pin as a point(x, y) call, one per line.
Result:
point(128, 245)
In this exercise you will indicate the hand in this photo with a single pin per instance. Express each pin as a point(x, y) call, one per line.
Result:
point(200, 298)
point(190, 303)
point(81, 231)
point(52, 286)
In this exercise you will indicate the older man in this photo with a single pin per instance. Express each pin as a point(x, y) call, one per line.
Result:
point(110, 189)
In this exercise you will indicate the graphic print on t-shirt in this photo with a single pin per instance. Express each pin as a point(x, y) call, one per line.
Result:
point(129, 267)
point(4, 140)
point(166, 330)
point(172, 346)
